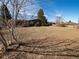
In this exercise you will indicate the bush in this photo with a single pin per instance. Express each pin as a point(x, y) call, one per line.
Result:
point(62, 25)
point(23, 23)
point(37, 24)
point(49, 23)
point(31, 23)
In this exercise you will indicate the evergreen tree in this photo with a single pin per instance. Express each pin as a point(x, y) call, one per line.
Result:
point(42, 17)
point(40, 13)
point(5, 14)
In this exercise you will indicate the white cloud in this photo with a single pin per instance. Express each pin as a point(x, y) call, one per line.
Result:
point(29, 13)
point(46, 16)
point(59, 15)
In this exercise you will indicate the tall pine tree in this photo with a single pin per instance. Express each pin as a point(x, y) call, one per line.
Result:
point(42, 17)
point(5, 14)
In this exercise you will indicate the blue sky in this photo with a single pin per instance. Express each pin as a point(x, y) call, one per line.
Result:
point(69, 9)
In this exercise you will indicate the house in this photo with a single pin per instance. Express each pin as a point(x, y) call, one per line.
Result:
point(35, 22)
point(28, 23)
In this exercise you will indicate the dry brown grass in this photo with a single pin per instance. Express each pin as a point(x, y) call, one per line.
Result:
point(49, 32)
point(55, 38)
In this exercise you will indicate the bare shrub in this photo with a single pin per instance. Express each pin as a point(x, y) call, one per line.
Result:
point(62, 25)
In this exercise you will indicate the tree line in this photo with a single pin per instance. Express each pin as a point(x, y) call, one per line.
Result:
point(40, 21)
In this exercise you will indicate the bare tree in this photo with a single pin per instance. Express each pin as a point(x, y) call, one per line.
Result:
point(34, 46)
point(16, 6)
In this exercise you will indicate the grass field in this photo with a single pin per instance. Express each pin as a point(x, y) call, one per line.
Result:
point(65, 40)
point(49, 32)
